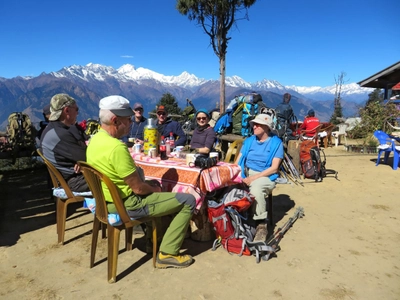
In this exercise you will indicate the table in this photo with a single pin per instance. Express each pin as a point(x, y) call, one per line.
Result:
point(175, 176)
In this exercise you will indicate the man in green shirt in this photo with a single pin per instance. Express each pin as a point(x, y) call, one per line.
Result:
point(109, 155)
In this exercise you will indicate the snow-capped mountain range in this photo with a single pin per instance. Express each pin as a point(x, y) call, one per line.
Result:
point(89, 83)
point(350, 92)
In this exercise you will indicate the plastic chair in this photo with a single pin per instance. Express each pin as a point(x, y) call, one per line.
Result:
point(341, 131)
point(327, 139)
point(233, 150)
point(95, 179)
point(396, 155)
point(63, 197)
point(315, 138)
point(385, 145)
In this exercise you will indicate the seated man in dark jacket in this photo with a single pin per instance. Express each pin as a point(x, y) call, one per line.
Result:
point(63, 142)
point(165, 125)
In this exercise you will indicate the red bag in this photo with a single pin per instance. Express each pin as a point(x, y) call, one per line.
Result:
point(227, 222)
point(310, 169)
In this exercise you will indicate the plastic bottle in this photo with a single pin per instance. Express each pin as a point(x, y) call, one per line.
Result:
point(168, 146)
point(171, 140)
point(163, 149)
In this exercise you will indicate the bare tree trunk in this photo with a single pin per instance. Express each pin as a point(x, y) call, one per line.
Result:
point(222, 84)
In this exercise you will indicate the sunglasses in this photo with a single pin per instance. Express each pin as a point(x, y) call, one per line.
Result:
point(201, 118)
point(161, 113)
point(139, 109)
point(256, 125)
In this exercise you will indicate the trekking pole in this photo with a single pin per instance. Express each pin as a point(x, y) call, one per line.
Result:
point(293, 169)
point(275, 239)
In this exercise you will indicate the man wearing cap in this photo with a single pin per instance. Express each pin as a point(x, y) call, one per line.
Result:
point(310, 124)
point(259, 160)
point(138, 123)
point(165, 125)
point(204, 136)
point(62, 143)
point(110, 156)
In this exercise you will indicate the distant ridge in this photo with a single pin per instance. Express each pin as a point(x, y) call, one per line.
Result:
point(91, 82)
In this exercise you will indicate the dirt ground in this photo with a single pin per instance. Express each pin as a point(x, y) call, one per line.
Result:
point(346, 246)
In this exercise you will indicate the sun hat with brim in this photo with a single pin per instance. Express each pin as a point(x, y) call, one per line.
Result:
point(204, 111)
point(262, 119)
point(57, 103)
point(118, 105)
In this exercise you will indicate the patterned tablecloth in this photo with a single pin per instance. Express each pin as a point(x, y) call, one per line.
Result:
point(175, 176)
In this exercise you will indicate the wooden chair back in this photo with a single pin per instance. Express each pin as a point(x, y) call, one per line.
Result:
point(233, 150)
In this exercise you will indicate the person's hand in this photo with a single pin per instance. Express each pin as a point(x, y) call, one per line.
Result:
point(77, 169)
point(138, 141)
point(247, 181)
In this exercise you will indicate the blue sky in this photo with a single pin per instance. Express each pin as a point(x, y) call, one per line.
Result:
point(303, 43)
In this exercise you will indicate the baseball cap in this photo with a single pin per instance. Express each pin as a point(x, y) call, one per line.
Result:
point(57, 103)
point(137, 105)
point(262, 119)
point(162, 108)
point(118, 105)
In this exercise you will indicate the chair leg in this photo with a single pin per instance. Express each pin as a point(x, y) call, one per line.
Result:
point(379, 157)
point(95, 234)
point(113, 247)
point(385, 161)
point(395, 160)
point(103, 230)
point(128, 238)
point(270, 210)
point(155, 242)
point(61, 219)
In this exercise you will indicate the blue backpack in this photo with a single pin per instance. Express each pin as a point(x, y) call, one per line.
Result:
point(240, 111)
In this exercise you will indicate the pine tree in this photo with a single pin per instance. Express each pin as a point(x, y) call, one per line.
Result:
point(170, 104)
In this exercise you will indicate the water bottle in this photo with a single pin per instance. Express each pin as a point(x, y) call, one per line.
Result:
point(163, 149)
point(168, 146)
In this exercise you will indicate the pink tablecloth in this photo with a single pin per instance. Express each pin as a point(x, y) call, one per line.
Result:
point(175, 176)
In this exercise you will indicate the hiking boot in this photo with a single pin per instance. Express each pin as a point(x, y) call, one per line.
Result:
point(261, 233)
point(173, 261)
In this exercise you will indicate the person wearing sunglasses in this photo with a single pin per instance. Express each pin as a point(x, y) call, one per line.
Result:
point(165, 125)
point(204, 136)
point(138, 123)
point(259, 160)
point(63, 143)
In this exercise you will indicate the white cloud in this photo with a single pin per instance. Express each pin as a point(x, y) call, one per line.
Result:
point(126, 56)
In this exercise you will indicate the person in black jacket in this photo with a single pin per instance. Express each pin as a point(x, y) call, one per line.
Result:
point(63, 143)
point(165, 125)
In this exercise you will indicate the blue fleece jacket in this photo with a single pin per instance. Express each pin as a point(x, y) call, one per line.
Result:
point(175, 128)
